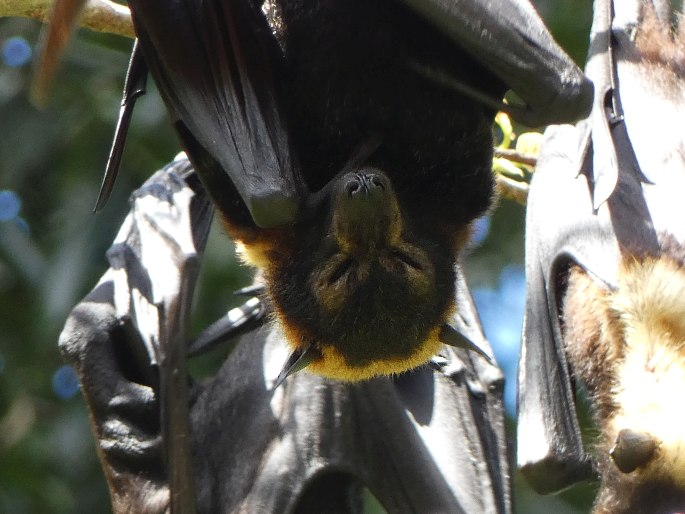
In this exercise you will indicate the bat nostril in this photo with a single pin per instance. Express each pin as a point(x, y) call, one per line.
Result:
point(352, 187)
point(377, 181)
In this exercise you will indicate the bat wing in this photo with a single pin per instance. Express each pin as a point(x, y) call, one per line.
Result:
point(431, 440)
point(509, 38)
point(212, 62)
point(127, 342)
point(561, 229)
point(586, 207)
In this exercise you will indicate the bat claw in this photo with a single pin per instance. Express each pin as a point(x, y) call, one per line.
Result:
point(297, 361)
point(234, 323)
point(452, 337)
point(251, 290)
point(134, 87)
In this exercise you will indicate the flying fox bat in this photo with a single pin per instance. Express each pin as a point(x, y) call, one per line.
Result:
point(432, 440)
point(347, 146)
point(605, 252)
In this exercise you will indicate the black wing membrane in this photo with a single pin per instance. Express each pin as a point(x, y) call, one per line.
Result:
point(212, 62)
point(127, 340)
point(412, 440)
point(560, 229)
point(585, 207)
point(509, 38)
point(432, 440)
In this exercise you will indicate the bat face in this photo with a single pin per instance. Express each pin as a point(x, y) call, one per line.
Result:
point(360, 284)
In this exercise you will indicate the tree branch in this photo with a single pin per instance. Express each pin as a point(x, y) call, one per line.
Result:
point(98, 15)
point(512, 189)
point(513, 155)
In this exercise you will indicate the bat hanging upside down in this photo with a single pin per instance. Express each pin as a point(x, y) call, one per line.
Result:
point(627, 347)
point(363, 283)
point(605, 270)
point(347, 145)
point(627, 342)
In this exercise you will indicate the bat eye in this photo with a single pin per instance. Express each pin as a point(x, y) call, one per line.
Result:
point(407, 259)
point(340, 271)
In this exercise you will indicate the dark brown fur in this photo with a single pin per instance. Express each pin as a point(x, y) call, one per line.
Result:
point(346, 81)
point(593, 339)
point(595, 335)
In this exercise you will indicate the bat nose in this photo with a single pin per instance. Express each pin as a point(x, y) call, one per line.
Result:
point(365, 197)
point(365, 208)
point(366, 193)
point(366, 185)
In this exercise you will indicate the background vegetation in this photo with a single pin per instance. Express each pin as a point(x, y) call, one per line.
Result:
point(52, 252)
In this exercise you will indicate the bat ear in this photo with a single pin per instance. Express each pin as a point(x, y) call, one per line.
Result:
point(452, 337)
point(297, 361)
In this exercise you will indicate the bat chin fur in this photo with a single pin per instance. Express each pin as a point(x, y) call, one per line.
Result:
point(334, 365)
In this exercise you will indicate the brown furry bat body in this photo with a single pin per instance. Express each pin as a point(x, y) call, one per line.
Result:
point(627, 345)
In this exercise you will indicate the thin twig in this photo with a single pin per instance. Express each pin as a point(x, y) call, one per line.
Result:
point(514, 156)
point(98, 15)
point(512, 189)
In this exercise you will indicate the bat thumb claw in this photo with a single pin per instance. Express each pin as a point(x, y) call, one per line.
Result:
point(297, 361)
point(452, 337)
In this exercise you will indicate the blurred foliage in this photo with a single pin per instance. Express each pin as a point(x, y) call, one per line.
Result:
point(52, 252)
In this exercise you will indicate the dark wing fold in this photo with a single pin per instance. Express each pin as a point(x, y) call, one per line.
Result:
point(127, 340)
point(560, 229)
point(509, 38)
point(431, 440)
point(585, 207)
point(212, 62)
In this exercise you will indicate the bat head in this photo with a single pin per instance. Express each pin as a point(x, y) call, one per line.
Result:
point(357, 282)
point(629, 349)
